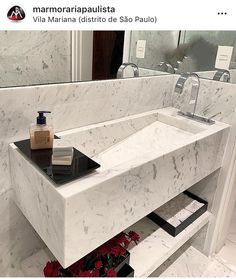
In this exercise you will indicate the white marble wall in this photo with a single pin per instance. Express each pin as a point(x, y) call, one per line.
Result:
point(72, 105)
point(217, 98)
point(214, 98)
point(34, 57)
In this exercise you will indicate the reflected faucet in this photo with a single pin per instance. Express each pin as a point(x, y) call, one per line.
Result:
point(194, 91)
point(166, 67)
point(120, 72)
point(221, 72)
point(177, 69)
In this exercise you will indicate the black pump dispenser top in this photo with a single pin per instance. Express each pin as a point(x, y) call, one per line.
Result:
point(41, 119)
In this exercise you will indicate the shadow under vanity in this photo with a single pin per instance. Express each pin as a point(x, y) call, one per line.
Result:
point(149, 155)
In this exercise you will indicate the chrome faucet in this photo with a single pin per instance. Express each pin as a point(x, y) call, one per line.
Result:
point(166, 67)
point(120, 72)
point(221, 72)
point(193, 96)
point(194, 91)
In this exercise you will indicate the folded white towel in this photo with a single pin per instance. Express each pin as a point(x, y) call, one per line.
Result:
point(62, 160)
point(61, 148)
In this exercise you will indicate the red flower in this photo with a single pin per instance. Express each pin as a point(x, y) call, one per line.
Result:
point(134, 236)
point(111, 272)
point(104, 249)
point(121, 239)
point(74, 268)
point(117, 250)
point(84, 274)
point(95, 273)
point(98, 264)
point(89, 273)
point(122, 251)
point(52, 269)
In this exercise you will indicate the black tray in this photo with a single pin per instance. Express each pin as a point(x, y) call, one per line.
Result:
point(81, 164)
point(176, 230)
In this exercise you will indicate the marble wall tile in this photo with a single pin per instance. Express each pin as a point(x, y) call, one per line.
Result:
point(215, 98)
point(16, 113)
point(17, 236)
point(75, 105)
point(34, 57)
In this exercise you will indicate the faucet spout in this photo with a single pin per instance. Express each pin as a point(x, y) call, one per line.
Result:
point(222, 73)
point(120, 72)
point(194, 91)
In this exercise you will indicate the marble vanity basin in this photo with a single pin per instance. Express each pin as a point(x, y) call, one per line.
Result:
point(156, 131)
point(146, 160)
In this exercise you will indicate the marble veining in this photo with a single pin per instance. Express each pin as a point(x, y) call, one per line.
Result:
point(72, 105)
point(89, 206)
point(212, 96)
point(18, 107)
point(93, 139)
point(34, 57)
point(162, 245)
point(216, 100)
point(158, 244)
point(189, 262)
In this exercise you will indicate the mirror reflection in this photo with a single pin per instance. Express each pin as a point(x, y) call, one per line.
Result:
point(44, 57)
point(211, 54)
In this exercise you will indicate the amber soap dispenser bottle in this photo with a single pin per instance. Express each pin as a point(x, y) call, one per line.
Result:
point(41, 135)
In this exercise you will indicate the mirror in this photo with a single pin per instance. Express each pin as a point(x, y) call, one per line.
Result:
point(45, 57)
point(210, 54)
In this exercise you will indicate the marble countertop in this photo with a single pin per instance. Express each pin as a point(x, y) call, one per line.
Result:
point(162, 155)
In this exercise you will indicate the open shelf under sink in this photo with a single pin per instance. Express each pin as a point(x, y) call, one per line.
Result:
point(155, 247)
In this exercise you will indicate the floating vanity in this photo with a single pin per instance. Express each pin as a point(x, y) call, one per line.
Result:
point(146, 160)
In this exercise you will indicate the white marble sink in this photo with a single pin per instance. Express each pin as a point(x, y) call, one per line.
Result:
point(158, 138)
point(145, 159)
point(160, 132)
